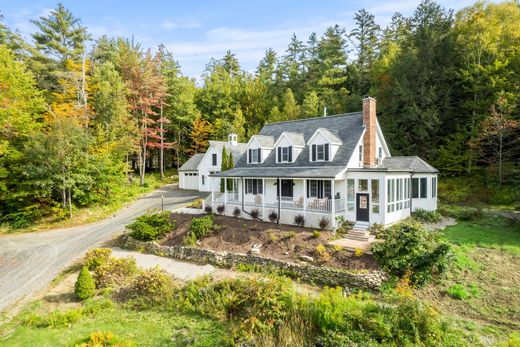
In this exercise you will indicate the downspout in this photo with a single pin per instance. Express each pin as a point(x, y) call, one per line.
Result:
point(410, 191)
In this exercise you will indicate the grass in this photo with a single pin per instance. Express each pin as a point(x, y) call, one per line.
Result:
point(145, 328)
point(488, 232)
point(483, 289)
point(121, 197)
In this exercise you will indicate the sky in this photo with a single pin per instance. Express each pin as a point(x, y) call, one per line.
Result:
point(196, 31)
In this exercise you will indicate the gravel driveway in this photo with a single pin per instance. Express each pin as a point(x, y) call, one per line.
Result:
point(29, 262)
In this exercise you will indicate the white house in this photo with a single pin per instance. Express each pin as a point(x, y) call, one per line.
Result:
point(195, 173)
point(326, 167)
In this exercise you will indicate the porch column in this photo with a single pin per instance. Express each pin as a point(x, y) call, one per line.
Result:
point(333, 205)
point(212, 190)
point(263, 198)
point(304, 196)
point(225, 193)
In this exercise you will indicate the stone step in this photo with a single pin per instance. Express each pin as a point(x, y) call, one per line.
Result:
point(360, 238)
point(359, 232)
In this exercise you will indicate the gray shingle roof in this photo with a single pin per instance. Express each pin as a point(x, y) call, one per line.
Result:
point(348, 127)
point(265, 141)
point(237, 150)
point(411, 163)
point(331, 135)
point(303, 172)
point(193, 163)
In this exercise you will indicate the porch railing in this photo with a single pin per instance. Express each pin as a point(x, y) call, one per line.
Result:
point(287, 202)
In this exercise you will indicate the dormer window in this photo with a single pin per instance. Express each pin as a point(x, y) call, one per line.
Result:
point(284, 154)
point(320, 152)
point(254, 156)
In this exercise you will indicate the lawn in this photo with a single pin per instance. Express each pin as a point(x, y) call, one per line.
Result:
point(488, 232)
point(483, 290)
point(144, 328)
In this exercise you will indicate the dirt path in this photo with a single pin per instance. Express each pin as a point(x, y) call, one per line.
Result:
point(29, 262)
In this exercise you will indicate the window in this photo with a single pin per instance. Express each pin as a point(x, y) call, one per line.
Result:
point(320, 152)
point(254, 155)
point(375, 196)
point(319, 189)
point(351, 194)
point(397, 194)
point(363, 185)
point(254, 186)
point(434, 187)
point(360, 153)
point(203, 180)
point(415, 188)
point(284, 154)
point(380, 153)
point(424, 187)
point(214, 159)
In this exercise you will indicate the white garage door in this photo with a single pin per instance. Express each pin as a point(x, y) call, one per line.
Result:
point(189, 180)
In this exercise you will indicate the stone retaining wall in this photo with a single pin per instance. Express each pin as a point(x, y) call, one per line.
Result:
point(367, 280)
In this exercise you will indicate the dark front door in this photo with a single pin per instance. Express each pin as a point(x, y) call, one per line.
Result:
point(287, 188)
point(362, 207)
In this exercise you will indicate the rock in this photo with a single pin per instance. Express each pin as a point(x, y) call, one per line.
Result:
point(306, 258)
point(255, 249)
point(285, 253)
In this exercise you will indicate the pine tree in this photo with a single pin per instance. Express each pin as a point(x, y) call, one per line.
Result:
point(290, 110)
point(310, 105)
point(85, 286)
point(224, 166)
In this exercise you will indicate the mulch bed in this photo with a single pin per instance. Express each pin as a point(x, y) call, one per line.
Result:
point(283, 242)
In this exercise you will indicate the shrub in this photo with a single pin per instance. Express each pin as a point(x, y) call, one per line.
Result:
point(321, 251)
point(254, 213)
point(358, 252)
point(96, 257)
point(116, 271)
point(221, 209)
point(376, 229)
point(151, 226)
point(299, 220)
point(343, 225)
point(103, 339)
point(408, 249)
point(236, 212)
point(457, 291)
point(273, 216)
point(324, 222)
point(151, 286)
point(316, 234)
point(208, 209)
point(426, 216)
point(189, 240)
point(201, 226)
point(85, 286)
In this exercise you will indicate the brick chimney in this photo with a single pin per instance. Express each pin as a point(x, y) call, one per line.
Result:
point(369, 139)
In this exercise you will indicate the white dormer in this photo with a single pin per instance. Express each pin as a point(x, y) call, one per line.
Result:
point(323, 145)
point(288, 147)
point(258, 148)
point(233, 139)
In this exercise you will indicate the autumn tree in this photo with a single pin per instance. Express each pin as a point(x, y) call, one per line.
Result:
point(199, 135)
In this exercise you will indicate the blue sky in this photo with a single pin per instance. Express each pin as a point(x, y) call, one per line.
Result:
point(195, 31)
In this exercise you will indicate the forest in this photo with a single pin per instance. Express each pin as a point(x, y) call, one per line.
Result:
point(81, 118)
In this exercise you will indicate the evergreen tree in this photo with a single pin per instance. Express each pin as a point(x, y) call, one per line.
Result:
point(290, 110)
point(310, 105)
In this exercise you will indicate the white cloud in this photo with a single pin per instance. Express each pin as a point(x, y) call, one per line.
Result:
point(168, 24)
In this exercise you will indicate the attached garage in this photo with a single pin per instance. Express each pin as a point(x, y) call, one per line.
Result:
point(189, 174)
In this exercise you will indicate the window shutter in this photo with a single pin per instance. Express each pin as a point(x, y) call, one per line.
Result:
point(313, 153)
point(327, 152)
point(307, 189)
point(249, 156)
point(290, 154)
point(279, 154)
point(259, 155)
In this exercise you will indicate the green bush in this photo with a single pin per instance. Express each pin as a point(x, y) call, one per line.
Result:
point(457, 291)
point(316, 234)
point(426, 216)
point(96, 257)
point(116, 271)
point(151, 226)
point(85, 286)
point(343, 225)
point(151, 286)
point(201, 226)
point(408, 250)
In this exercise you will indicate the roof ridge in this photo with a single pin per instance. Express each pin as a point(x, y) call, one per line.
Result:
point(313, 118)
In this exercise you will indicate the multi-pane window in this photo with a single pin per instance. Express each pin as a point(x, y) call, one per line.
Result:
point(351, 194)
point(319, 189)
point(419, 187)
point(360, 153)
point(375, 196)
point(203, 180)
point(424, 187)
point(434, 187)
point(320, 152)
point(284, 154)
point(254, 186)
point(398, 194)
point(380, 154)
point(254, 155)
point(214, 159)
point(363, 185)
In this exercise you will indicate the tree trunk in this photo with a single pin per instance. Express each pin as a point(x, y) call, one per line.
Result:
point(500, 160)
point(161, 149)
point(64, 198)
point(177, 147)
point(70, 204)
